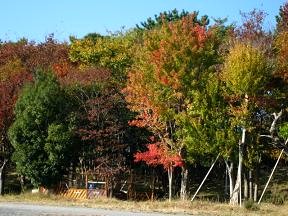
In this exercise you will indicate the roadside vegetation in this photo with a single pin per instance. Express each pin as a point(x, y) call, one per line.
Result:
point(147, 113)
point(201, 207)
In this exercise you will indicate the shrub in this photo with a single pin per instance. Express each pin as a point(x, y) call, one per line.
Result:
point(251, 205)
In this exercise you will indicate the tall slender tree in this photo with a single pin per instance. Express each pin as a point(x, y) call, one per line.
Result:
point(245, 73)
point(169, 71)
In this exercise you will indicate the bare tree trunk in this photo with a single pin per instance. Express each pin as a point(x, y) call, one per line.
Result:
point(170, 178)
point(250, 185)
point(226, 183)
point(229, 169)
point(86, 180)
point(245, 186)
point(130, 189)
point(236, 195)
point(153, 185)
point(70, 175)
point(255, 191)
point(110, 186)
point(271, 136)
point(22, 183)
point(273, 125)
point(184, 177)
point(1, 176)
point(234, 200)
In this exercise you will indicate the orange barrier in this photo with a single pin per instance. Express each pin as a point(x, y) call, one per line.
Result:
point(74, 193)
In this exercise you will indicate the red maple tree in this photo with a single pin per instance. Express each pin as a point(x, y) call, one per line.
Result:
point(158, 155)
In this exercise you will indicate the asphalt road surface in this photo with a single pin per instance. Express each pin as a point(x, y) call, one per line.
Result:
point(20, 209)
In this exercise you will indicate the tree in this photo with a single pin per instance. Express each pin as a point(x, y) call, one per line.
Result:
point(282, 18)
point(107, 141)
point(111, 52)
point(9, 91)
point(17, 65)
point(283, 132)
point(252, 31)
point(245, 73)
point(167, 71)
point(42, 131)
point(281, 48)
point(29, 56)
point(280, 75)
point(103, 135)
point(157, 154)
point(158, 20)
point(203, 125)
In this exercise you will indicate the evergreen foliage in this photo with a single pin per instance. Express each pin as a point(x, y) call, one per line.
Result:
point(42, 131)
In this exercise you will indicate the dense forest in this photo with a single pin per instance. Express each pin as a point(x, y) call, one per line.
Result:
point(163, 101)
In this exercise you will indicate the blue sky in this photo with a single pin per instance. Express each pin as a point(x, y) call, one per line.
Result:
point(35, 19)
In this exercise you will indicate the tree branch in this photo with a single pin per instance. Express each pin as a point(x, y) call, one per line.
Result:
point(268, 136)
point(273, 125)
point(3, 165)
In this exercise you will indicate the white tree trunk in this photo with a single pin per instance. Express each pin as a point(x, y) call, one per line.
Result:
point(245, 186)
point(236, 194)
point(229, 169)
point(184, 177)
point(273, 125)
point(234, 200)
point(255, 192)
point(250, 185)
point(170, 178)
point(1, 176)
point(1, 181)
point(226, 182)
point(272, 136)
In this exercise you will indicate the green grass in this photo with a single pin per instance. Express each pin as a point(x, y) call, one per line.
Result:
point(176, 206)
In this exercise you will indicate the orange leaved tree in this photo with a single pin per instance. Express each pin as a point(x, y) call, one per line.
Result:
point(169, 66)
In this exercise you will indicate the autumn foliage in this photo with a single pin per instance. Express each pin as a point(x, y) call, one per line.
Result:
point(9, 92)
point(158, 155)
point(174, 92)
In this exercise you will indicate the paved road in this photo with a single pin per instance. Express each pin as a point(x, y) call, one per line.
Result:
point(20, 209)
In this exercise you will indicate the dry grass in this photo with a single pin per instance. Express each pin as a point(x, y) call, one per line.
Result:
point(176, 206)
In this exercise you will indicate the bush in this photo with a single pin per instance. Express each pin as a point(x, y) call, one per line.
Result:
point(251, 205)
point(278, 198)
point(278, 195)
